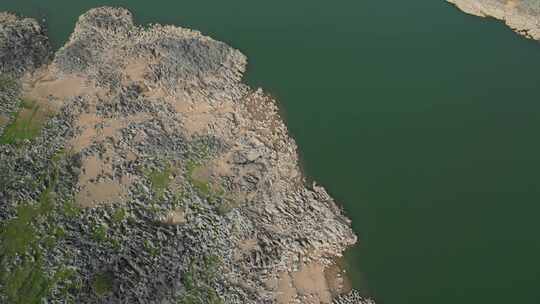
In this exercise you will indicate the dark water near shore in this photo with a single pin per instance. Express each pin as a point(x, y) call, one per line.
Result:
point(422, 121)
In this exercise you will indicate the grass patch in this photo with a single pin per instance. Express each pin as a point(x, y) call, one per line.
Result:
point(103, 283)
point(159, 180)
point(198, 282)
point(23, 279)
point(19, 234)
point(151, 248)
point(26, 123)
point(202, 186)
point(99, 233)
point(70, 210)
point(119, 215)
point(7, 82)
point(59, 232)
point(27, 283)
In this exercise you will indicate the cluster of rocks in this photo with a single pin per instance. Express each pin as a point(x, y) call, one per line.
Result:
point(23, 44)
point(162, 177)
point(23, 47)
point(354, 297)
point(523, 16)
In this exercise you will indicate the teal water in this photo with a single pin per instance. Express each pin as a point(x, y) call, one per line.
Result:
point(422, 121)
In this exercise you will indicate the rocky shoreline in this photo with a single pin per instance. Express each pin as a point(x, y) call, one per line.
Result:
point(523, 16)
point(136, 167)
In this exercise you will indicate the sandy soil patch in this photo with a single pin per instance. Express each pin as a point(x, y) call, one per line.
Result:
point(199, 117)
point(97, 181)
point(247, 245)
point(222, 166)
point(285, 290)
point(109, 128)
point(136, 69)
point(103, 193)
point(511, 4)
point(336, 278)
point(97, 184)
point(53, 91)
point(310, 282)
point(313, 283)
point(86, 122)
point(95, 129)
point(130, 156)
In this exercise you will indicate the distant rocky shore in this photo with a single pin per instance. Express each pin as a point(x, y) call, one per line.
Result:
point(523, 16)
point(137, 167)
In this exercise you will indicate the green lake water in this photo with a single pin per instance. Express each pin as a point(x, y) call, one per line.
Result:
point(420, 120)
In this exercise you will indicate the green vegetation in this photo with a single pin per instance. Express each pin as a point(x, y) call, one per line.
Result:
point(203, 187)
point(69, 209)
point(198, 282)
point(59, 232)
point(119, 215)
point(214, 194)
point(26, 124)
point(27, 283)
point(103, 283)
point(22, 274)
point(226, 206)
point(159, 180)
point(19, 234)
point(151, 248)
point(99, 232)
point(66, 276)
point(116, 245)
point(6, 82)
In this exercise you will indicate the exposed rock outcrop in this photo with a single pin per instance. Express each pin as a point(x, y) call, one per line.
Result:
point(24, 45)
point(354, 297)
point(523, 16)
point(138, 168)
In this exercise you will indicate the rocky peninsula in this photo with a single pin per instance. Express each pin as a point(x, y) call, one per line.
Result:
point(137, 167)
point(523, 16)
